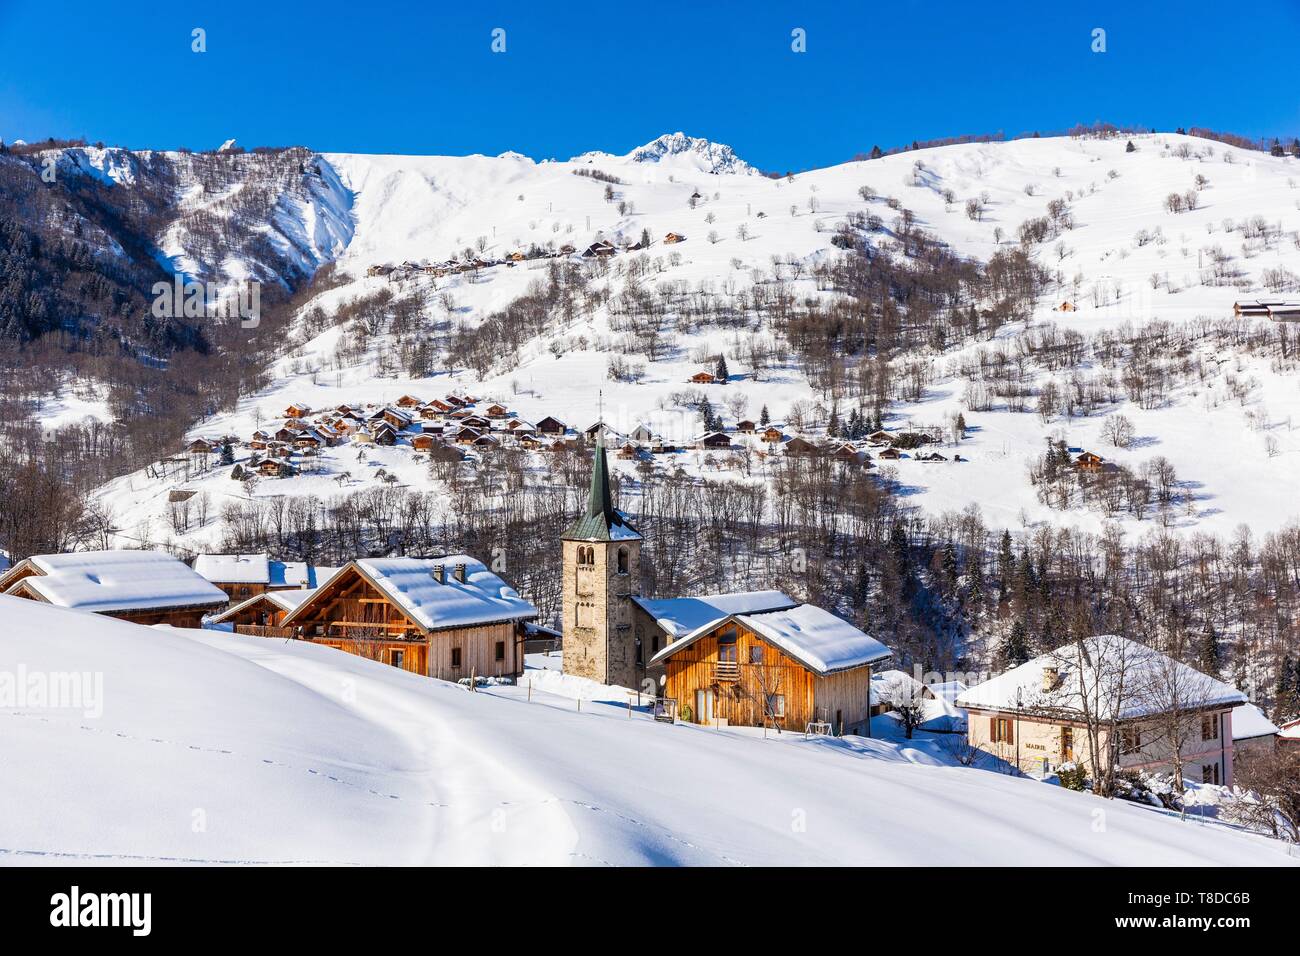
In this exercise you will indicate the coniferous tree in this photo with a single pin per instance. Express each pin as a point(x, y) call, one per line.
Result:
point(722, 374)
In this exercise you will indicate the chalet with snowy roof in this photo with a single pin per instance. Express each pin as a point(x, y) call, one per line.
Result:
point(1036, 716)
point(277, 469)
point(245, 575)
point(702, 378)
point(262, 614)
point(467, 436)
point(496, 411)
point(799, 447)
point(448, 618)
point(890, 454)
point(673, 238)
point(1088, 461)
point(714, 441)
point(297, 410)
point(785, 668)
point(772, 435)
point(599, 250)
point(1279, 310)
point(551, 426)
point(424, 441)
point(1288, 734)
point(145, 587)
point(409, 401)
point(745, 426)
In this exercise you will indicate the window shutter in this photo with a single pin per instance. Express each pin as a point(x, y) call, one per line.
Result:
point(1011, 732)
point(993, 729)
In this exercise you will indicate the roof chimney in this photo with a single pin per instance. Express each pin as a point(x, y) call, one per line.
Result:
point(1049, 678)
point(439, 574)
point(460, 573)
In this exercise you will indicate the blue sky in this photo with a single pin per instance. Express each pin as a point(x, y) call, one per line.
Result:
point(375, 77)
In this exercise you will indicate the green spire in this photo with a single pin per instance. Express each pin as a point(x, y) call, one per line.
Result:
point(601, 522)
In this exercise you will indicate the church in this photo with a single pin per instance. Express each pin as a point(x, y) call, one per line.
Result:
point(744, 658)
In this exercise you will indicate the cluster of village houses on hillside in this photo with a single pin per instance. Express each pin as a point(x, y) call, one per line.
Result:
point(458, 424)
point(600, 249)
point(758, 658)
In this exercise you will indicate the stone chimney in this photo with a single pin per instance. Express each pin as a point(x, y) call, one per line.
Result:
point(1049, 678)
point(439, 573)
point(460, 573)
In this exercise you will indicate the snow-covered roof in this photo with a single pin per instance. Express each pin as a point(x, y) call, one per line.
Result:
point(1290, 730)
point(482, 598)
point(816, 638)
point(105, 581)
point(260, 569)
point(679, 616)
point(1248, 721)
point(1113, 666)
point(234, 568)
point(286, 600)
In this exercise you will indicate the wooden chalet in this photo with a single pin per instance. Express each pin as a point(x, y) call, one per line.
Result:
point(423, 442)
point(599, 250)
point(145, 587)
point(497, 411)
point(715, 441)
point(297, 410)
point(785, 668)
point(890, 454)
point(382, 433)
point(262, 614)
point(702, 378)
point(745, 426)
point(440, 406)
point(396, 418)
point(409, 401)
point(243, 576)
point(551, 426)
point(448, 618)
point(273, 468)
point(800, 447)
point(672, 238)
point(772, 435)
point(467, 436)
point(1089, 461)
point(630, 451)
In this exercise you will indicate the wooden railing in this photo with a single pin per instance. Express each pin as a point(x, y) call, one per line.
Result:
point(726, 670)
point(259, 630)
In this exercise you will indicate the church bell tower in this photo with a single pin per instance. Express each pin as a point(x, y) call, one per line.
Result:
point(602, 565)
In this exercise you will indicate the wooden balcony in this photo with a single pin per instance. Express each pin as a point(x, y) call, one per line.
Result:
point(726, 671)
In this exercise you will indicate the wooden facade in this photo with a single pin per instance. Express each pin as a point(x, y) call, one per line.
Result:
point(352, 614)
point(733, 676)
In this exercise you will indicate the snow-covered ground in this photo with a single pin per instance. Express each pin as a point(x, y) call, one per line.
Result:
point(427, 208)
point(199, 746)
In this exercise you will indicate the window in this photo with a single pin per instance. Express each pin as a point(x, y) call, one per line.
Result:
point(640, 658)
point(1001, 730)
point(1210, 773)
point(1210, 727)
point(756, 653)
point(501, 650)
point(655, 644)
point(455, 657)
point(776, 705)
point(622, 560)
point(1130, 740)
point(397, 657)
point(1067, 743)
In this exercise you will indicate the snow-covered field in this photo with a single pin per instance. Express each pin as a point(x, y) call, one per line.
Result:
point(200, 746)
point(432, 208)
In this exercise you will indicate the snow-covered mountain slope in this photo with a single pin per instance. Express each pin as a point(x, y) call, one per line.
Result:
point(207, 747)
point(1123, 260)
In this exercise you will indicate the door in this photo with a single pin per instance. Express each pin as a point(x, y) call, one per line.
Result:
point(1067, 743)
point(703, 706)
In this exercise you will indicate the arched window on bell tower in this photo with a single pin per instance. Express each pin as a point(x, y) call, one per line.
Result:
point(622, 559)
